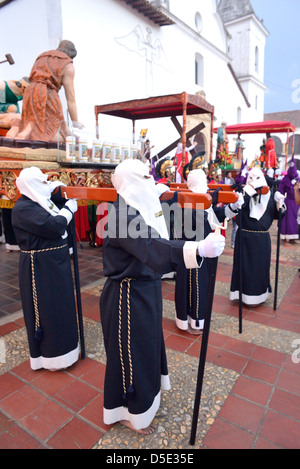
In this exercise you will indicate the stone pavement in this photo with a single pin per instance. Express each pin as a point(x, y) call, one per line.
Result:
point(251, 390)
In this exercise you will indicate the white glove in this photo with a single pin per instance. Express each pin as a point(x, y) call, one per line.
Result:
point(279, 199)
point(238, 204)
point(77, 125)
point(161, 188)
point(212, 246)
point(72, 205)
point(278, 196)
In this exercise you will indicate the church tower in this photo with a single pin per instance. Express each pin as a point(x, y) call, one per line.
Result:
point(246, 49)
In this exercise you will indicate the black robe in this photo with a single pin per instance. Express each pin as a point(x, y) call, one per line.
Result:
point(131, 316)
point(192, 284)
point(256, 255)
point(9, 234)
point(37, 230)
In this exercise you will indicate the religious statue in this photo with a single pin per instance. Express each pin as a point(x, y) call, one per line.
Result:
point(42, 115)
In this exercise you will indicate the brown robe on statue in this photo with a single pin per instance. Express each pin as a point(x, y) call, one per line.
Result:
point(41, 102)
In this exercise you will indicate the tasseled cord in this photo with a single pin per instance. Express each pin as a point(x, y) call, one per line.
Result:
point(38, 334)
point(129, 393)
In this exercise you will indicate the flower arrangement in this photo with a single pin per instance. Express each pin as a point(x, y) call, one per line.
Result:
point(225, 160)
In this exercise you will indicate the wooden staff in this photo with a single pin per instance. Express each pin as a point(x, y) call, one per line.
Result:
point(205, 337)
point(277, 255)
point(286, 150)
point(240, 217)
point(78, 292)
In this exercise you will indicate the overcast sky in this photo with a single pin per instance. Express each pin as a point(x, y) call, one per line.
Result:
point(282, 61)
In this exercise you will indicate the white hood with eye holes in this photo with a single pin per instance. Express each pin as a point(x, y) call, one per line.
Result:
point(33, 183)
point(133, 182)
point(258, 204)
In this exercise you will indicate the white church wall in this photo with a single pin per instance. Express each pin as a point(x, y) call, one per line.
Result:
point(24, 34)
point(211, 26)
point(122, 66)
point(122, 56)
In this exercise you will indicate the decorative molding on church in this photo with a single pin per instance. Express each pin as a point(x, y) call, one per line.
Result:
point(232, 9)
point(236, 10)
point(150, 11)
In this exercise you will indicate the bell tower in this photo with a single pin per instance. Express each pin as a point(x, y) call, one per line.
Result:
point(246, 48)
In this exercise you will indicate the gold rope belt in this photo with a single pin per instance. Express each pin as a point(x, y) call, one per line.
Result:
point(127, 393)
point(197, 294)
point(37, 326)
point(253, 231)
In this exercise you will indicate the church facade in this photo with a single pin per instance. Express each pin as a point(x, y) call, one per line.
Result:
point(132, 50)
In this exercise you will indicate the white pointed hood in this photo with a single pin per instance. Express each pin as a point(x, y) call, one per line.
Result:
point(33, 183)
point(133, 182)
point(258, 205)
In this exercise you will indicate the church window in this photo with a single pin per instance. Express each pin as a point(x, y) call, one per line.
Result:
point(256, 60)
point(199, 65)
point(198, 22)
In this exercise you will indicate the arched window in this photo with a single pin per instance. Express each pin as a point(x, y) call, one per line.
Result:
point(199, 65)
point(239, 115)
point(256, 59)
point(198, 22)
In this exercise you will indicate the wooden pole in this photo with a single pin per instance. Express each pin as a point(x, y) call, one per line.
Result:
point(133, 131)
point(287, 150)
point(184, 108)
point(78, 292)
point(204, 344)
point(240, 238)
point(211, 135)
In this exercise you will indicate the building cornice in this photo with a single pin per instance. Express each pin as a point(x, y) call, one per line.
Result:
point(254, 80)
point(156, 15)
point(248, 18)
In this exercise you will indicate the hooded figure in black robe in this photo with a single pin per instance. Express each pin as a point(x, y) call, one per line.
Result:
point(192, 284)
point(136, 252)
point(45, 276)
point(258, 213)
